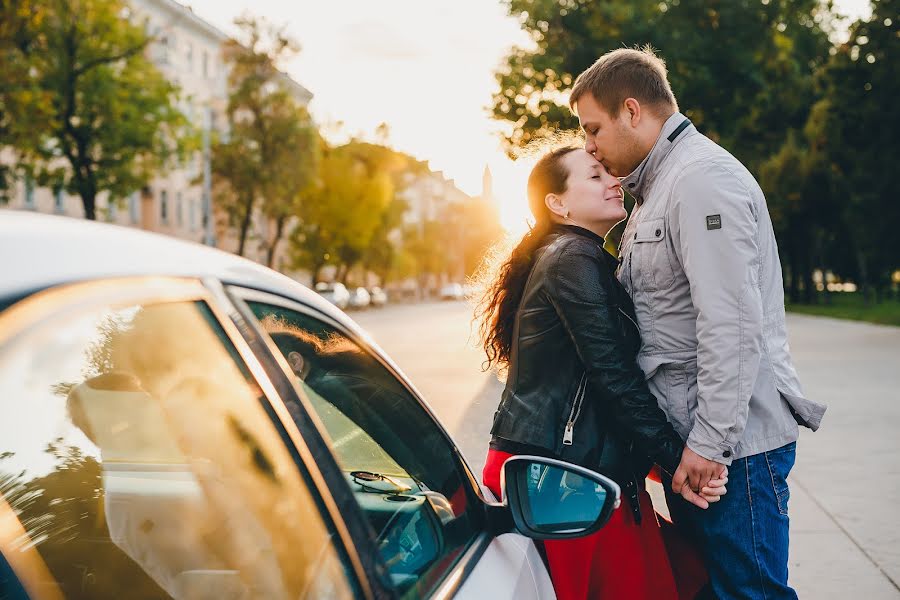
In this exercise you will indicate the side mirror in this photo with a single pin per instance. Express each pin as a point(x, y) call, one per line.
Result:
point(554, 500)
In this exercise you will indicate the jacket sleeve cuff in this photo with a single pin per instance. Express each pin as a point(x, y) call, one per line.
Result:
point(719, 452)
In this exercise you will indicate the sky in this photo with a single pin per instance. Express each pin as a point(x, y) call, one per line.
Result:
point(424, 67)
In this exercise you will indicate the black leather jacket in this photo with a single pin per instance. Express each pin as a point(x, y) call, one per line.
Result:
point(576, 322)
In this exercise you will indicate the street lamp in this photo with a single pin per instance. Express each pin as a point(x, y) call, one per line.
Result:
point(208, 236)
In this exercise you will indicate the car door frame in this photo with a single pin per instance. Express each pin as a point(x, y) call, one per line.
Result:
point(280, 370)
point(71, 297)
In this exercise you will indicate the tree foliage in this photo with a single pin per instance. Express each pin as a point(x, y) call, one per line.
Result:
point(763, 79)
point(269, 154)
point(349, 212)
point(83, 107)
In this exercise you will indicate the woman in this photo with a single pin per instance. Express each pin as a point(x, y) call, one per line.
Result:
point(561, 325)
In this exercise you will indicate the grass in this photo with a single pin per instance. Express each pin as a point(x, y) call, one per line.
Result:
point(852, 306)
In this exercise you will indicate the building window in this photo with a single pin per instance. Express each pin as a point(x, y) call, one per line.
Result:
point(179, 208)
point(29, 192)
point(59, 200)
point(205, 64)
point(134, 207)
point(164, 206)
point(162, 52)
point(112, 207)
point(190, 57)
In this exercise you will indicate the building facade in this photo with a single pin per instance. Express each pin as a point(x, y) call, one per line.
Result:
point(188, 51)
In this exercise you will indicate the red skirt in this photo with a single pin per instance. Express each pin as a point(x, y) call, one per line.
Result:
point(625, 559)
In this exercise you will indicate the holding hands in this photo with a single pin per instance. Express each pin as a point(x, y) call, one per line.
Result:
point(699, 481)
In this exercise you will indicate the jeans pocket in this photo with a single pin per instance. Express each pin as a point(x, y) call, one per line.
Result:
point(780, 462)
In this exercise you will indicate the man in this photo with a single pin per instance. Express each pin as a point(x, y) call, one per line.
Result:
point(700, 260)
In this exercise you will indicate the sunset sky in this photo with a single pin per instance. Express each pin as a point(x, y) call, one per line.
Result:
point(425, 67)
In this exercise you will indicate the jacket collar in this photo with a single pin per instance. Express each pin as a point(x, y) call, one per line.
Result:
point(674, 130)
point(561, 228)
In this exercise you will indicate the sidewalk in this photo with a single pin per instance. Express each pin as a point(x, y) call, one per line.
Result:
point(845, 488)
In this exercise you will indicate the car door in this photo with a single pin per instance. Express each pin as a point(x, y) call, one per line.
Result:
point(420, 500)
point(139, 456)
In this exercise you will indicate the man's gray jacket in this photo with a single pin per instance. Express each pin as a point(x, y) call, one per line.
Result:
point(700, 260)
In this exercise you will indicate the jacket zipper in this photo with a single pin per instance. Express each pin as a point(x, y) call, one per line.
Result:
point(569, 433)
point(629, 318)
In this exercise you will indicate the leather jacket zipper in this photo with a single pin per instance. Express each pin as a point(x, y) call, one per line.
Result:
point(569, 433)
point(629, 318)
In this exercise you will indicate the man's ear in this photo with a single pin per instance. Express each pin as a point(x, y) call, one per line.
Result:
point(556, 205)
point(632, 110)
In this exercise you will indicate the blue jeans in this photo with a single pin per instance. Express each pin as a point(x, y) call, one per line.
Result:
point(744, 536)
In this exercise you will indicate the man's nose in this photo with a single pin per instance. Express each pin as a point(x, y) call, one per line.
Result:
point(589, 144)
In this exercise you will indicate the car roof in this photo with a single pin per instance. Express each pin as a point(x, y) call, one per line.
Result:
point(41, 251)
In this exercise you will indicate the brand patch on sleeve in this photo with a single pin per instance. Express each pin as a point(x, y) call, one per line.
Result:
point(714, 222)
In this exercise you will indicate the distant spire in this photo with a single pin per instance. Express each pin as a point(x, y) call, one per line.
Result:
point(487, 185)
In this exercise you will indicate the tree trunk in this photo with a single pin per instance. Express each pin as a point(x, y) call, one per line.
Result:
point(279, 232)
point(794, 267)
point(806, 266)
point(88, 192)
point(89, 201)
point(245, 224)
point(863, 277)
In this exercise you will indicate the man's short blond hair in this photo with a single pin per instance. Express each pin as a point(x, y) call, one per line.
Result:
point(627, 73)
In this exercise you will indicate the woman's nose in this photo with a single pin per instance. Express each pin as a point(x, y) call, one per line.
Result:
point(613, 181)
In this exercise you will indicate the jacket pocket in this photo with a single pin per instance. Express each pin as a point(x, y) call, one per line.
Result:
point(675, 385)
point(652, 263)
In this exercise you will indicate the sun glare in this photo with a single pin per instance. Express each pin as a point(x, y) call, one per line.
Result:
point(510, 180)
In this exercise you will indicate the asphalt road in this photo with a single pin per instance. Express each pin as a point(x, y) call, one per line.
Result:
point(845, 488)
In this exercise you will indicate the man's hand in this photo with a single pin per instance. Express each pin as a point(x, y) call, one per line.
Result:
point(695, 472)
point(712, 493)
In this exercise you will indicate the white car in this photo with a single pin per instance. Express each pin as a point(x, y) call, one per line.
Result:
point(452, 291)
point(336, 293)
point(180, 422)
point(379, 297)
point(360, 298)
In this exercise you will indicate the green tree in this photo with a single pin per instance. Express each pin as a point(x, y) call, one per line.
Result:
point(87, 111)
point(425, 249)
point(268, 155)
point(19, 94)
point(342, 211)
point(742, 70)
point(291, 176)
point(347, 217)
point(804, 203)
point(861, 84)
point(64, 513)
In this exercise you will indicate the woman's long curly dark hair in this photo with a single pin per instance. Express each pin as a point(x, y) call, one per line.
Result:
point(503, 295)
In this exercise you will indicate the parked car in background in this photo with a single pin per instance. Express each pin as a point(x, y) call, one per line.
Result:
point(176, 421)
point(360, 298)
point(379, 298)
point(452, 291)
point(336, 293)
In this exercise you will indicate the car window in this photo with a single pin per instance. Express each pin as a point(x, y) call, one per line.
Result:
point(140, 462)
point(402, 469)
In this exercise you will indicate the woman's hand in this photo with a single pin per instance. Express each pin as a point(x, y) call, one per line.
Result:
point(715, 489)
